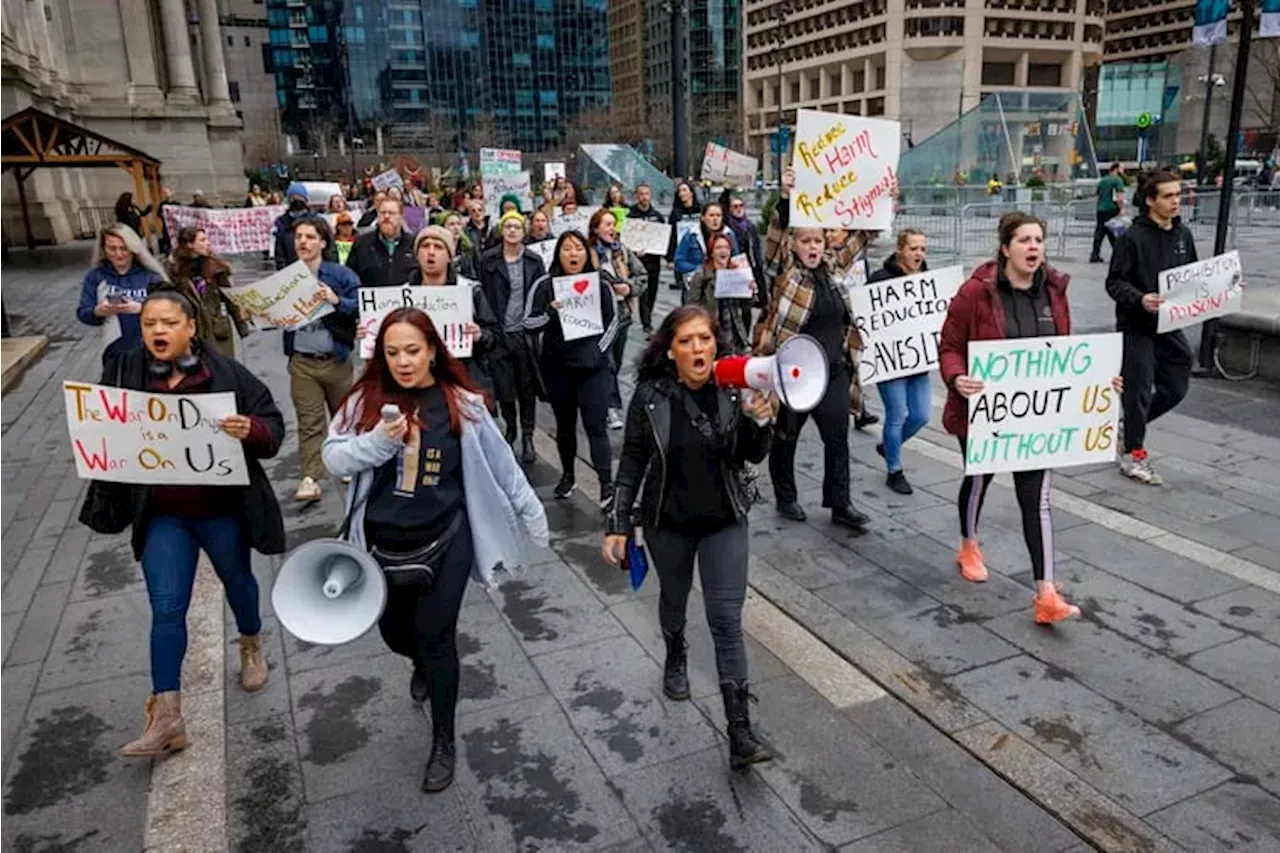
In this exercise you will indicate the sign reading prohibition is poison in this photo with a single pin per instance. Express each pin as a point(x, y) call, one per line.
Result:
point(126, 436)
point(500, 161)
point(579, 298)
point(1200, 291)
point(846, 171)
point(1046, 403)
point(900, 321)
point(287, 299)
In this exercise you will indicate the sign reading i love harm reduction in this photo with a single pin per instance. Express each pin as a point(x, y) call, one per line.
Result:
point(579, 298)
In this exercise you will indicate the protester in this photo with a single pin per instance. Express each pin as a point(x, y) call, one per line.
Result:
point(115, 287)
point(908, 399)
point(198, 199)
point(166, 200)
point(565, 198)
point(1110, 191)
point(256, 197)
point(682, 457)
point(370, 214)
point(684, 207)
point(508, 203)
point(623, 270)
point(808, 297)
point(734, 324)
point(319, 353)
point(128, 213)
point(616, 203)
point(691, 253)
point(344, 236)
point(1017, 295)
point(577, 375)
point(465, 259)
point(384, 257)
point(435, 488)
point(203, 279)
point(644, 211)
point(1157, 367)
point(539, 228)
point(508, 274)
point(298, 201)
point(477, 226)
point(336, 204)
point(171, 525)
point(746, 234)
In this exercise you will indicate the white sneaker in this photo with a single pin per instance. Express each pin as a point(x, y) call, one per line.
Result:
point(308, 490)
point(615, 419)
point(1140, 470)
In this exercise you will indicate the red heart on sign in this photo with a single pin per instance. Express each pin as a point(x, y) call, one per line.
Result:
point(580, 286)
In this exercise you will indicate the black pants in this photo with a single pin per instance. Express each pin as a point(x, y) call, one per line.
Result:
point(1032, 491)
point(617, 352)
point(572, 390)
point(422, 624)
point(722, 565)
point(515, 381)
point(1100, 230)
point(653, 268)
point(832, 418)
point(1157, 373)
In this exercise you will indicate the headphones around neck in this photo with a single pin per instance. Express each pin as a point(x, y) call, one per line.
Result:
point(187, 364)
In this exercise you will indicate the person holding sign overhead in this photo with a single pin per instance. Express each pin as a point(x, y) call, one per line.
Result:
point(172, 524)
point(575, 368)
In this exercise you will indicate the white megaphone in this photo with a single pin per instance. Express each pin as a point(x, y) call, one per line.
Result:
point(329, 592)
point(797, 373)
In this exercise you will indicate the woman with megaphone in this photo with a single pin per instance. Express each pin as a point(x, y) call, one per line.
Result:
point(436, 498)
point(685, 444)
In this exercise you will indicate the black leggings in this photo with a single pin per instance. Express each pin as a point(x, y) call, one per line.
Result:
point(422, 624)
point(572, 390)
point(1032, 489)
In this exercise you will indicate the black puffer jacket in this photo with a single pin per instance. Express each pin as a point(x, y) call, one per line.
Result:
point(642, 470)
point(1141, 254)
point(376, 267)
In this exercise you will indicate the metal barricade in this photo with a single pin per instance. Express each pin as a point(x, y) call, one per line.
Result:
point(938, 222)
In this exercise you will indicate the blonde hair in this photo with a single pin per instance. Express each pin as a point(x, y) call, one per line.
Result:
point(133, 243)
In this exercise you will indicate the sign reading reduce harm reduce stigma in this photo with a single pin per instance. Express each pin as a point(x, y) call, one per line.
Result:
point(1046, 403)
point(900, 321)
point(126, 436)
point(287, 299)
point(579, 298)
point(846, 171)
point(1200, 291)
point(450, 307)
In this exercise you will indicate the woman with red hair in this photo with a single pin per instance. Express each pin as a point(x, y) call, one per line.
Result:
point(436, 497)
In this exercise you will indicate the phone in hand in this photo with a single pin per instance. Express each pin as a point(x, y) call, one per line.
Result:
point(390, 412)
point(116, 298)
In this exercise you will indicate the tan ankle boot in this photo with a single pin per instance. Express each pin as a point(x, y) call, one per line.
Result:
point(253, 664)
point(165, 732)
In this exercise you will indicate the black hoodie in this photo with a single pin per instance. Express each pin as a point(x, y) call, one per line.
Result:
point(892, 269)
point(1140, 255)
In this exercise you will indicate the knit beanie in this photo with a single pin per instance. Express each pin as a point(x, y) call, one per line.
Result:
point(436, 232)
point(513, 215)
point(297, 189)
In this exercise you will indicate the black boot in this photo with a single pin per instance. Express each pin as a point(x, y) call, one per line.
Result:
point(444, 703)
point(744, 747)
point(675, 673)
point(439, 773)
point(527, 454)
point(509, 420)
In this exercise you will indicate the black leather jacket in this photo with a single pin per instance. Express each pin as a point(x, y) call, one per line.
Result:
point(644, 453)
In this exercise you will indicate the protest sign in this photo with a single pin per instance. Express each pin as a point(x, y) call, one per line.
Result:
point(684, 228)
point(1046, 402)
point(1200, 291)
point(499, 161)
point(546, 250)
point(231, 230)
point(736, 282)
point(579, 298)
point(576, 221)
point(723, 164)
point(846, 171)
point(496, 186)
point(287, 299)
point(551, 171)
point(126, 436)
point(388, 179)
point(648, 238)
point(450, 308)
point(900, 321)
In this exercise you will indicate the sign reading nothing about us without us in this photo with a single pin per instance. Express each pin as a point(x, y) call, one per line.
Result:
point(900, 322)
point(1046, 403)
point(846, 170)
point(126, 436)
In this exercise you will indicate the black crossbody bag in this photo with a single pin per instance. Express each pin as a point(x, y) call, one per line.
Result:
point(416, 568)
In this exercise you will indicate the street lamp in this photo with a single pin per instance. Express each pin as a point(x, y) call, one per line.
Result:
point(1211, 81)
point(779, 36)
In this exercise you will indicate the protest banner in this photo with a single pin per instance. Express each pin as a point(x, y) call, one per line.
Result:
point(388, 179)
point(846, 171)
point(1046, 402)
point(499, 161)
point(287, 299)
point(736, 282)
point(551, 171)
point(126, 436)
point(576, 221)
point(496, 186)
point(900, 321)
point(723, 164)
point(231, 230)
point(546, 250)
point(579, 298)
point(648, 238)
point(1200, 291)
point(450, 307)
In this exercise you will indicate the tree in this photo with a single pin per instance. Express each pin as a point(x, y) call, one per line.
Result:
point(1262, 88)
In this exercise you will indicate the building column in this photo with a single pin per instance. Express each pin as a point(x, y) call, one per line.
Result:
point(177, 48)
point(217, 93)
point(1020, 70)
point(144, 83)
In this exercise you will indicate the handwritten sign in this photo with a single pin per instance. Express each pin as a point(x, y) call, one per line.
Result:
point(1200, 291)
point(231, 230)
point(287, 299)
point(736, 282)
point(647, 238)
point(579, 298)
point(576, 221)
point(551, 171)
point(846, 171)
point(496, 186)
point(450, 308)
point(126, 436)
point(499, 161)
point(546, 249)
point(723, 164)
point(900, 321)
point(1046, 402)
point(388, 179)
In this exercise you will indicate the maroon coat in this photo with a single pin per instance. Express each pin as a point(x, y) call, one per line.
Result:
point(977, 314)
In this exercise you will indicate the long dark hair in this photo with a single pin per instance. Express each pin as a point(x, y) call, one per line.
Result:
point(653, 363)
point(556, 269)
point(124, 205)
point(183, 255)
point(1009, 225)
point(377, 386)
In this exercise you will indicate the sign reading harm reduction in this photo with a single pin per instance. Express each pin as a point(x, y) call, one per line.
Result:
point(127, 436)
point(900, 322)
point(1046, 403)
point(846, 171)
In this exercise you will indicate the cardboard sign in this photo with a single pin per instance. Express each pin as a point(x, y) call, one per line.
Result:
point(551, 171)
point(496, 186)
point(388, 179)
point(846, 171)
point(546, 250)
point(126, 436)
point(1200, 291)
point(499, 161)
point(287, 299)
point(736, 282)
point(576, 221)
point(1047, 402)
point(451, 309)
point(900, 321)
point(231, 230)
point(723, 164)
point(579, 298)
point(647, 238)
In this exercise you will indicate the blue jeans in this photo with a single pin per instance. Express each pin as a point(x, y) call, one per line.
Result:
point(907, 402)
point(169, 565)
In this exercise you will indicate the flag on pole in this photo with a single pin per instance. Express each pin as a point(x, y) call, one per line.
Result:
point(1211, 22)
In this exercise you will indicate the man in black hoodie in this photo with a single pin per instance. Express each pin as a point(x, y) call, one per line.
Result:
point(1157, 367)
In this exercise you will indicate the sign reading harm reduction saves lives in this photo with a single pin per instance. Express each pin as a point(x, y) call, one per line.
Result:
point(900, 322)
point(1046, 403)
point(846, 171)
point(127, 436)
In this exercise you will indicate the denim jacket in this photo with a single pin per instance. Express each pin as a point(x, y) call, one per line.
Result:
point(499, 499)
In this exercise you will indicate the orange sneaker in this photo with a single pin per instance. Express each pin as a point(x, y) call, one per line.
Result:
point(970, 561)
point(1052, 607)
